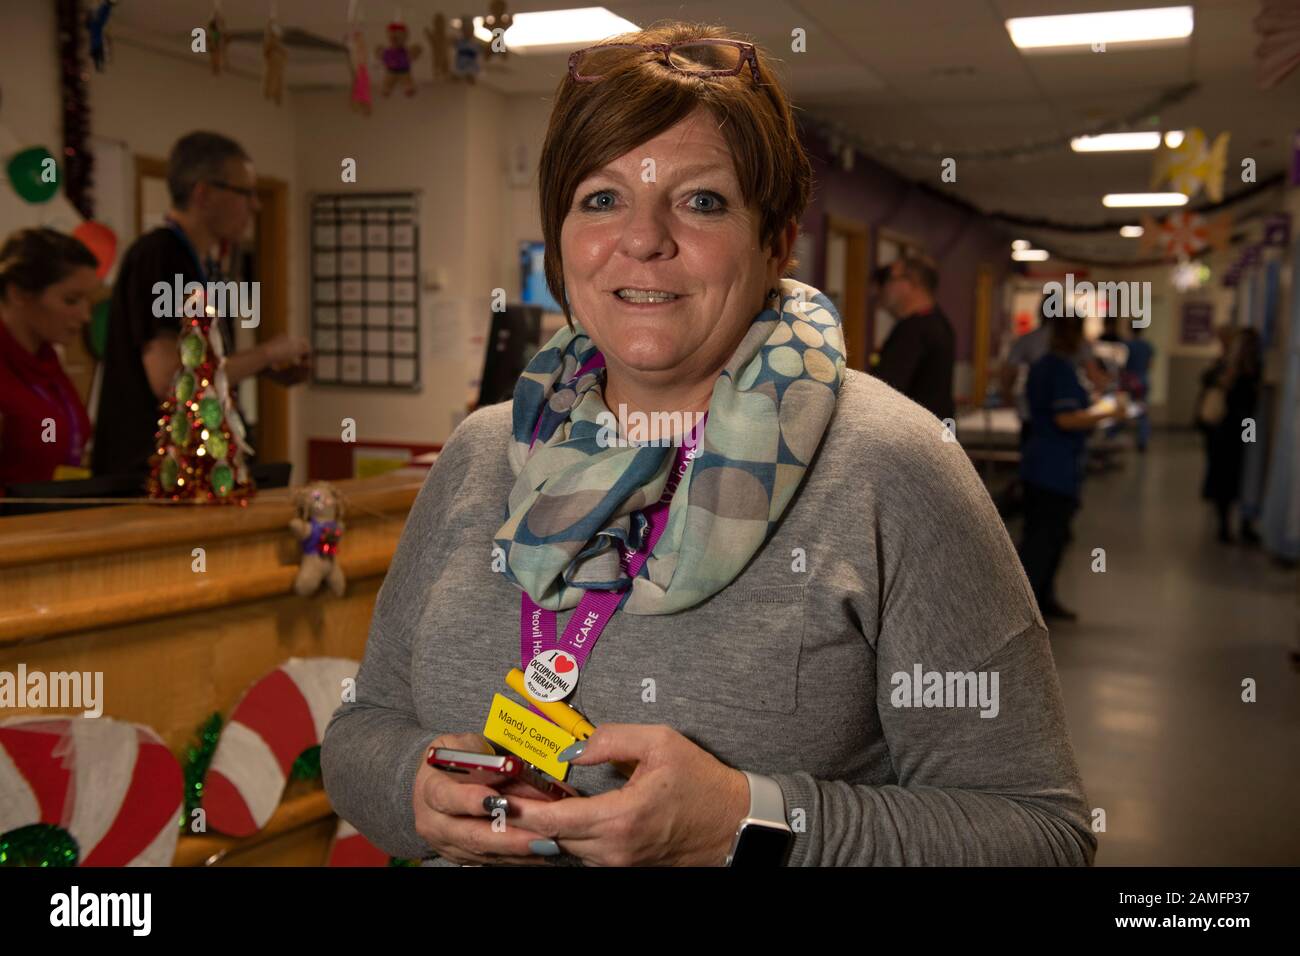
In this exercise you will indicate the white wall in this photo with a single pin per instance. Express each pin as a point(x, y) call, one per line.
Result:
point(29, 74)
point(525, 129)
point(444, 142)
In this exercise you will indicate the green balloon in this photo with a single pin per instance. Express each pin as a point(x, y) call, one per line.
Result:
point(193, 349)
point(184, 387)
point(27, 174)
point(167, 473)
point(180, 427)
point(223, 479)
point(210, 412)
point(217, 445)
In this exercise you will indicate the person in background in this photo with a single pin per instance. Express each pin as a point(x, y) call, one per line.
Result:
point(1110, 330)
point(1052, 462)
point(1027, 350)
point(1137, 380)
point(1235, 377)
point(1024, 352)
point(213, 194)
point(47, 283)
point(917, 358)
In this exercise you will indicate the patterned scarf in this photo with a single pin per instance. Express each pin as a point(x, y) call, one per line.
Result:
point(575, 497)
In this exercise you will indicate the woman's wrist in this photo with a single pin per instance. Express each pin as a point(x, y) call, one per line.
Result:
point(735, 809)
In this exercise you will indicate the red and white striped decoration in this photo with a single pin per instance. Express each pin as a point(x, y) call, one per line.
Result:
point(350, 848)
point(279, 717)
point(113, 785)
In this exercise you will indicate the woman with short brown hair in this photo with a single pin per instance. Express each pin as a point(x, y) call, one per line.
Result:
point(800, 630)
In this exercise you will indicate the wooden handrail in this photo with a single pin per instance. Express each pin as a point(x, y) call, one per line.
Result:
point(293, 813)
point(27, 622)
point(81, 533)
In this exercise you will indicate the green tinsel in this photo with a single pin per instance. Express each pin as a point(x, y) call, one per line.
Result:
point(39, 844)
point(307, 766)
point(197, 759)
point(397, 861)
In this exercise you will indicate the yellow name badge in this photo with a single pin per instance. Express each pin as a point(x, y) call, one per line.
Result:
point(70, 473)
point(526, 735)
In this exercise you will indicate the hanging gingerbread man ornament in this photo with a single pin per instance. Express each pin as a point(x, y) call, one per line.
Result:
point(217, 39)
point(397, 58)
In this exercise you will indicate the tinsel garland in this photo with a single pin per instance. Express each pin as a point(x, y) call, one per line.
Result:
point(197, 759)
point(77, 159)
point(307, 766)
point(38, 844)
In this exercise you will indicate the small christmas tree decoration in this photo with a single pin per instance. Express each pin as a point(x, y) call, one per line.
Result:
point(200, 444)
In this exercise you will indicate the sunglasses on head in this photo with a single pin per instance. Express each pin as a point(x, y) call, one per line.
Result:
point(703, 58)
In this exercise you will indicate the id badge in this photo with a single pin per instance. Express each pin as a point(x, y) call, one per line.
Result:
point(526, 735)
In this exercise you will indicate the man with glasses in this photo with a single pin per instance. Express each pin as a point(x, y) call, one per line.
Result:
point(213, 198)
point(917, 357)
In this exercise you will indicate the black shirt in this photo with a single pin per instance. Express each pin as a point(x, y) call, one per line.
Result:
point(917, 360)
point(127, 420)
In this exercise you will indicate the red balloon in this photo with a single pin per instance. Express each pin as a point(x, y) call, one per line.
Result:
point(100, 240)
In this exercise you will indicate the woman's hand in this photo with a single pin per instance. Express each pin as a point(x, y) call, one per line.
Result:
point(451, 817)
point(680, 808)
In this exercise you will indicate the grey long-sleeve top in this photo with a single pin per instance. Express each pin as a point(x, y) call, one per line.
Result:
point(891, 560)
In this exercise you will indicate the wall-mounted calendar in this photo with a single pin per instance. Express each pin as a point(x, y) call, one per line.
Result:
point(365, 301)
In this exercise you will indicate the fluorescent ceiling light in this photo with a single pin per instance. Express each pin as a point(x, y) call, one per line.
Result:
point(1113, 142)
point(1029, 255)
point(1174, 138)
point(1019, 244)
point(1144, 199)
point(1131, 232)
point(554, 31)
point(1153, 26)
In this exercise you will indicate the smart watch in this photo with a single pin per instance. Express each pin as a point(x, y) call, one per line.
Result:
point(763, 837)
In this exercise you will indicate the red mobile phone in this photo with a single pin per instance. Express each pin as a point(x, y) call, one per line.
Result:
point(483, 768)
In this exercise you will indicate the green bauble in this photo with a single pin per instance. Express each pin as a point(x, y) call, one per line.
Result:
point(27, 174)
point(184, 388)
point(210, 412)
point(217, 445)
point(223, 479)
point(38, 844)
point(193, 349)
point(180, 427)
point(167, 473)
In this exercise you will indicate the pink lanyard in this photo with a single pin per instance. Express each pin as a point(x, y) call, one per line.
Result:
point(72, 451)
point(537, 624)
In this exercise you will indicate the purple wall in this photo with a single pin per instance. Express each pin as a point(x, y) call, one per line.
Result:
point(958, 240)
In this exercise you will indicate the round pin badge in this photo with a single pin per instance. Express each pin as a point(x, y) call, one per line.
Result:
point(551, 676)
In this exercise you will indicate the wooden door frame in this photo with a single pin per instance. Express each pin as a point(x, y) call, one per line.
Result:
point(272, 264)
point(272, 259)
point(853, 309)
point(981, 334)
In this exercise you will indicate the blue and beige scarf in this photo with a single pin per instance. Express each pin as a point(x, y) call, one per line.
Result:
point(576, 494)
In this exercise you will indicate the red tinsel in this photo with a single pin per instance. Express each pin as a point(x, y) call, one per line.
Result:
point(77, 162)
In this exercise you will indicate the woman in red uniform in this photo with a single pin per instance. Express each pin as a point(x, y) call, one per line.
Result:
point(47, 280)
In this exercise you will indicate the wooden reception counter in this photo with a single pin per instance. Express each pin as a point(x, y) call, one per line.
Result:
point(119, 589)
